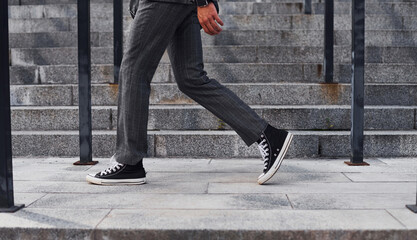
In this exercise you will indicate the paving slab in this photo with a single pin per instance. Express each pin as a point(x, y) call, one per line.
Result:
point(398, 162)
point(53, 218)
point(314, 201)
point(52, 167)
point(405, 216)
point(281, 178)
point(345, 188)
point(170, 165)
point(52, 176)
point(47, 160)
point(330, 165)
point(27, 198)
point(236, 219)
point(214, 198)
point(76, 187)
point(164, 201)
point(382, 177)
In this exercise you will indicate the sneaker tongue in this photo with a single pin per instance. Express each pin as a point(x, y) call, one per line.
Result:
point(259, 140)
point(110, 169)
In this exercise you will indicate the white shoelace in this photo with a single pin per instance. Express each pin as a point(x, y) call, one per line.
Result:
point(112, 169)
point(264, 149)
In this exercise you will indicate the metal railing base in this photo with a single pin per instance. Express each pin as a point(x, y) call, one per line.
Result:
point(12, 209)
point(413, 208)
point(356, 164)
point(80, 163)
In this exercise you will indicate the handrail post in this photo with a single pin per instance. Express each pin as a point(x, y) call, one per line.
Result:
point(307, 6)
point(328, 40)
point(6, 170)
point(117, 37)
point(358, 83)
point(84, 83)
point(413, 208)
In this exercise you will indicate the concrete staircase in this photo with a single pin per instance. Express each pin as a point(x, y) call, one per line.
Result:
point(269, 53)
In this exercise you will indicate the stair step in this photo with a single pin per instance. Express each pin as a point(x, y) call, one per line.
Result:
point(251, 93)
point(241, 22)
point(277, 69)
point(224, 54)
point(226, 73)
point(191, 117)
point(217, 144)
point(235, 8)
point(297, 37)
point(126, 2)
point(309, 38)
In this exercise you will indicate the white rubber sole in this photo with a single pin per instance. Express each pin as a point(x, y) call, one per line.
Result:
point(135, 181)
point(265, 177)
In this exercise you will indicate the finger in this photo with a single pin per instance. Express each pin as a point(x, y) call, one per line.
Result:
point(218, 19)
point(206, 29)
point(215, 26)
point(210, 27)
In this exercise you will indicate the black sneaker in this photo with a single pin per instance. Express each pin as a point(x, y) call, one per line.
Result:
point(119, 174)
point(273, 146)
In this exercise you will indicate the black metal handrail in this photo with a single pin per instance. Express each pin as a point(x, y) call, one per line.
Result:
point(6, 170)
point(413, 207)
point(84, 83)
point(84, 71)
point(358, 83)
point(358, 71)
point(307, 6)
point(328, 40)
point(117, 37)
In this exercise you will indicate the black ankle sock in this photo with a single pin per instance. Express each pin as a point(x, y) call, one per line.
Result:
point(140, 163)
point(263, 134)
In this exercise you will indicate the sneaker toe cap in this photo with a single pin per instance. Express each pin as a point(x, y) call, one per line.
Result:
point(263, 174)
point(91, 175)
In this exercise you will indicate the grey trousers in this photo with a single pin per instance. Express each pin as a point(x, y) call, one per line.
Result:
point(159, 26)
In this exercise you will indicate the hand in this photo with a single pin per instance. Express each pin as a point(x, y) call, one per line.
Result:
point(209, 20)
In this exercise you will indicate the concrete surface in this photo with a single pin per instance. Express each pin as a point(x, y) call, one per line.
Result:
point(215, 199)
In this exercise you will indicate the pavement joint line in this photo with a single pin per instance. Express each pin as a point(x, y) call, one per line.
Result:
point(102, 219)
point(288, 198)
point(45, 194)
point(383, 181)
point(382, 160)
point(343, 173)
point(206, 191)
point(396, 218)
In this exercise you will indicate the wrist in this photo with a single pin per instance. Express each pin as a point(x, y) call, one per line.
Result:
point(202, 3)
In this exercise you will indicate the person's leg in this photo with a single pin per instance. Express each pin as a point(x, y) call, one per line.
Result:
point(185, 52)
point(152, 28)
point(186, 56)
point(154, 25)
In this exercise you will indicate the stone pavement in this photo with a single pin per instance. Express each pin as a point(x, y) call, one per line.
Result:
point(215, 199)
